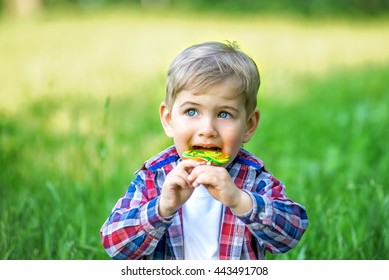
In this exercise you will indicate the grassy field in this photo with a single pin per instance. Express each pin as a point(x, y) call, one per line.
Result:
point(79, 97)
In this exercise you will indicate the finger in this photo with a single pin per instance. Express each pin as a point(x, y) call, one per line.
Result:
point(208, 179)
point(203, 179)
point(197, 171)
point(188, 164)
point(182, 183)
point(178, 179)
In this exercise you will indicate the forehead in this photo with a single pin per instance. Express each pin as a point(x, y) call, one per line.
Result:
point(218, 94)
point(226, 89)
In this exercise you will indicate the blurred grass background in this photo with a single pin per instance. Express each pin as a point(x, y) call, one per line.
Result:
point(80, 86)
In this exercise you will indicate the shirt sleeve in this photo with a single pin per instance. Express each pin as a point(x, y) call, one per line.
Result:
point(276, 222)
point(134, 227)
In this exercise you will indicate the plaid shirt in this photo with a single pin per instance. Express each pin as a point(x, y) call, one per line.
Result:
point(135, 230)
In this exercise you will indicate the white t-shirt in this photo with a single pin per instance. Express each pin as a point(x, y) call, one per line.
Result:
point(201, 222)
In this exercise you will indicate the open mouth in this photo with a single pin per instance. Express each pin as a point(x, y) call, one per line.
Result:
point(211, 155)
point(208, 148)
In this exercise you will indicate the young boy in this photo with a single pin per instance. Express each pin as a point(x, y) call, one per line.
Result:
point(182, 209)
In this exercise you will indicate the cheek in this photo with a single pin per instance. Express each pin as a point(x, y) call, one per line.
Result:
point(233, 138)
point(235, 132)
point(182, 129)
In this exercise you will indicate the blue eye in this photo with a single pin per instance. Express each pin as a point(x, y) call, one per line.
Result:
point(191, 112)
point(224, 115)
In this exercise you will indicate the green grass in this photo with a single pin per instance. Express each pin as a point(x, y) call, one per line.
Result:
point(77, 118)
point(330, 149)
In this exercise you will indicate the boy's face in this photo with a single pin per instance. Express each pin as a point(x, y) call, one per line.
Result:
point(215, 118)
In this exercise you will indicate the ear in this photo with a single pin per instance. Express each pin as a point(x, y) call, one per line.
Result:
point(251, 125)
point(165, 116)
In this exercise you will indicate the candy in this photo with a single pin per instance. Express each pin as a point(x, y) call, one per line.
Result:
point(206, 155)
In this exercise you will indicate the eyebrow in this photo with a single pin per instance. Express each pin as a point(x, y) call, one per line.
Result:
point(230, 108)
point(188, 103)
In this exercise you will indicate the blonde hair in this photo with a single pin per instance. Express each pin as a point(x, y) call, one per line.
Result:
point(209, 63)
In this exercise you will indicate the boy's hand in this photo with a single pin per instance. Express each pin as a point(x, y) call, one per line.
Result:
point(176, 189)
point(220, 185)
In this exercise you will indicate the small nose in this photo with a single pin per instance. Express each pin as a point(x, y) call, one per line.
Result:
point(207, 128)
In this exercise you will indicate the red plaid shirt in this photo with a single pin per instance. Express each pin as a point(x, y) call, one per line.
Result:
point(135, 230)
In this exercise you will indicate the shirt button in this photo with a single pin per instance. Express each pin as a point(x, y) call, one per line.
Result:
point(261, 215)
